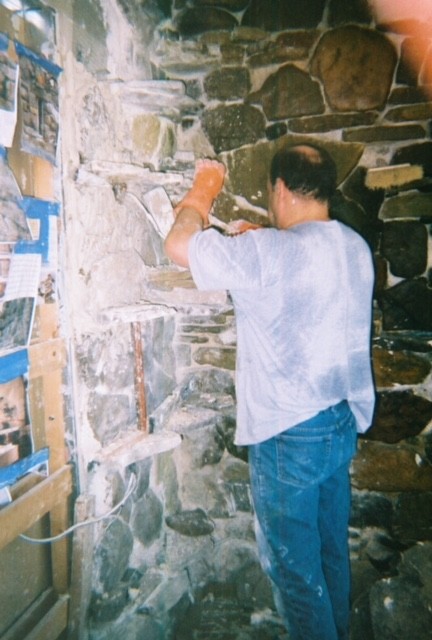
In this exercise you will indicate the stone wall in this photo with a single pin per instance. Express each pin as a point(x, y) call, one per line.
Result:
point(169, 82)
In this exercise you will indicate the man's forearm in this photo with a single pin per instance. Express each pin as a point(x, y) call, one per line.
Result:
point(186, 224)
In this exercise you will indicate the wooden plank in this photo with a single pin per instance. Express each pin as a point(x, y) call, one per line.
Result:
point(25, 484)
point(53, 623)
point(46, 356)
point(46, 323)
point(59, 520)
point(54, 418)
point(18, 516)
point(43, 172)
point(47, 362)
point(82, 559)
point(26, 574)
point(28, 620)
point(37, 412)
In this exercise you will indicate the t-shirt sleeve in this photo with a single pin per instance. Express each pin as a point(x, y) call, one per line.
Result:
point(225, 262)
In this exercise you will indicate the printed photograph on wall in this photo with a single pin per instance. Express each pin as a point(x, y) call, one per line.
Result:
point(39, 103)
point(17, 455)
point(9, 76)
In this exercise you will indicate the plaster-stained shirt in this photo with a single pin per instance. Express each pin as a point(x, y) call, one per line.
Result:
point(303, 302)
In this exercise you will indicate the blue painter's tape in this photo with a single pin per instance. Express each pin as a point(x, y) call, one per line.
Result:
point(13, 365)
point(9, 475)
point(4, 42)
point(38, 209)
point(49, 66)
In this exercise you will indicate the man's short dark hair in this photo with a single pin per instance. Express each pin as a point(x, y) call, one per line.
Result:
point(305, 169)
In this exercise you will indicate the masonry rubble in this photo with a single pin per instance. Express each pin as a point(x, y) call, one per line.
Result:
point(234, 80)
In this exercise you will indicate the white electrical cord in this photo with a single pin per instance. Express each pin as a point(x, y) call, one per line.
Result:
point(132, 484)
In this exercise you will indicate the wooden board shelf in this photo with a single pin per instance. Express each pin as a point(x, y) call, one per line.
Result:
point(30, 507)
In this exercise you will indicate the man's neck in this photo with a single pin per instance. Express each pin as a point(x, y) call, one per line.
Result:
point(304, 210)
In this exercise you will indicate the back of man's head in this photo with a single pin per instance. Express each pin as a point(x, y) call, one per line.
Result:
point(305, 169)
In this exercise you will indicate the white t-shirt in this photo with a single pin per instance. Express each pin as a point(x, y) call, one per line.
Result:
point(303, 304)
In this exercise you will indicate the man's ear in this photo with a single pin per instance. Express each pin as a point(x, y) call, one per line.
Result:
point(281, 191)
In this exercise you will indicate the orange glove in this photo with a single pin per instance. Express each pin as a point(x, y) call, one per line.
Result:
point(207, 184)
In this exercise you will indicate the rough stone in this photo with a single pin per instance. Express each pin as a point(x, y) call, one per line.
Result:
point(405, 246)
point(276, 130)
point(342, 12)
point(353, 215)
point(206, 491)
point(237, 483)
point(289, 92)
point(112, 555)
point(100, 358)
point(407, 95)
point(109, 414)
point(226, 427)
point(167, 476)
point(108, 606)
point(418, 153)
point(142, 469)
point(284, 14)
point(231, 126)
point(370, 509)
point(192, 22)
point(232, 53)
point(410, 112)
point(355, 188)
point(331, 122)
point(129, 625)
point(412, 518)
point(159, 360)
point(287, 46)
point(361, 621)
point(222, 358)
point(191, 523)
point(152, 138)
point(417, 562)
point(393, 368)
point(229, 83)
point(203, 446)
point(417, 342)
point(380, 549)
point(363, 576)
point(345, 61)
point(399, 610)
point(206, 381)
point(147, 518)
point(399, 415)
point(407, 205)
point(384, 132)
point(407, 305)
point(229, 5)
point(248, 167)
point(383, 467)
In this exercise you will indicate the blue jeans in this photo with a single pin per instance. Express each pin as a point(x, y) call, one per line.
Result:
point(301, 493)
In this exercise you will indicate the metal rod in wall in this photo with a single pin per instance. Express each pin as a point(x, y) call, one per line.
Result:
point(139, 377)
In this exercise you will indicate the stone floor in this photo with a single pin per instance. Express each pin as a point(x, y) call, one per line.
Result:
point(221, 616)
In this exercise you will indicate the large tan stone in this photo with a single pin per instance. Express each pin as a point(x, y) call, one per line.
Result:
point(392, 368)
point(289, 92)
point(345, 60)
point(407, 206)
point(248, 167)
point(383, 467)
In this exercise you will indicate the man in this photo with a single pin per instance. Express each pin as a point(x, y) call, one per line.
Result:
point(302, 293)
